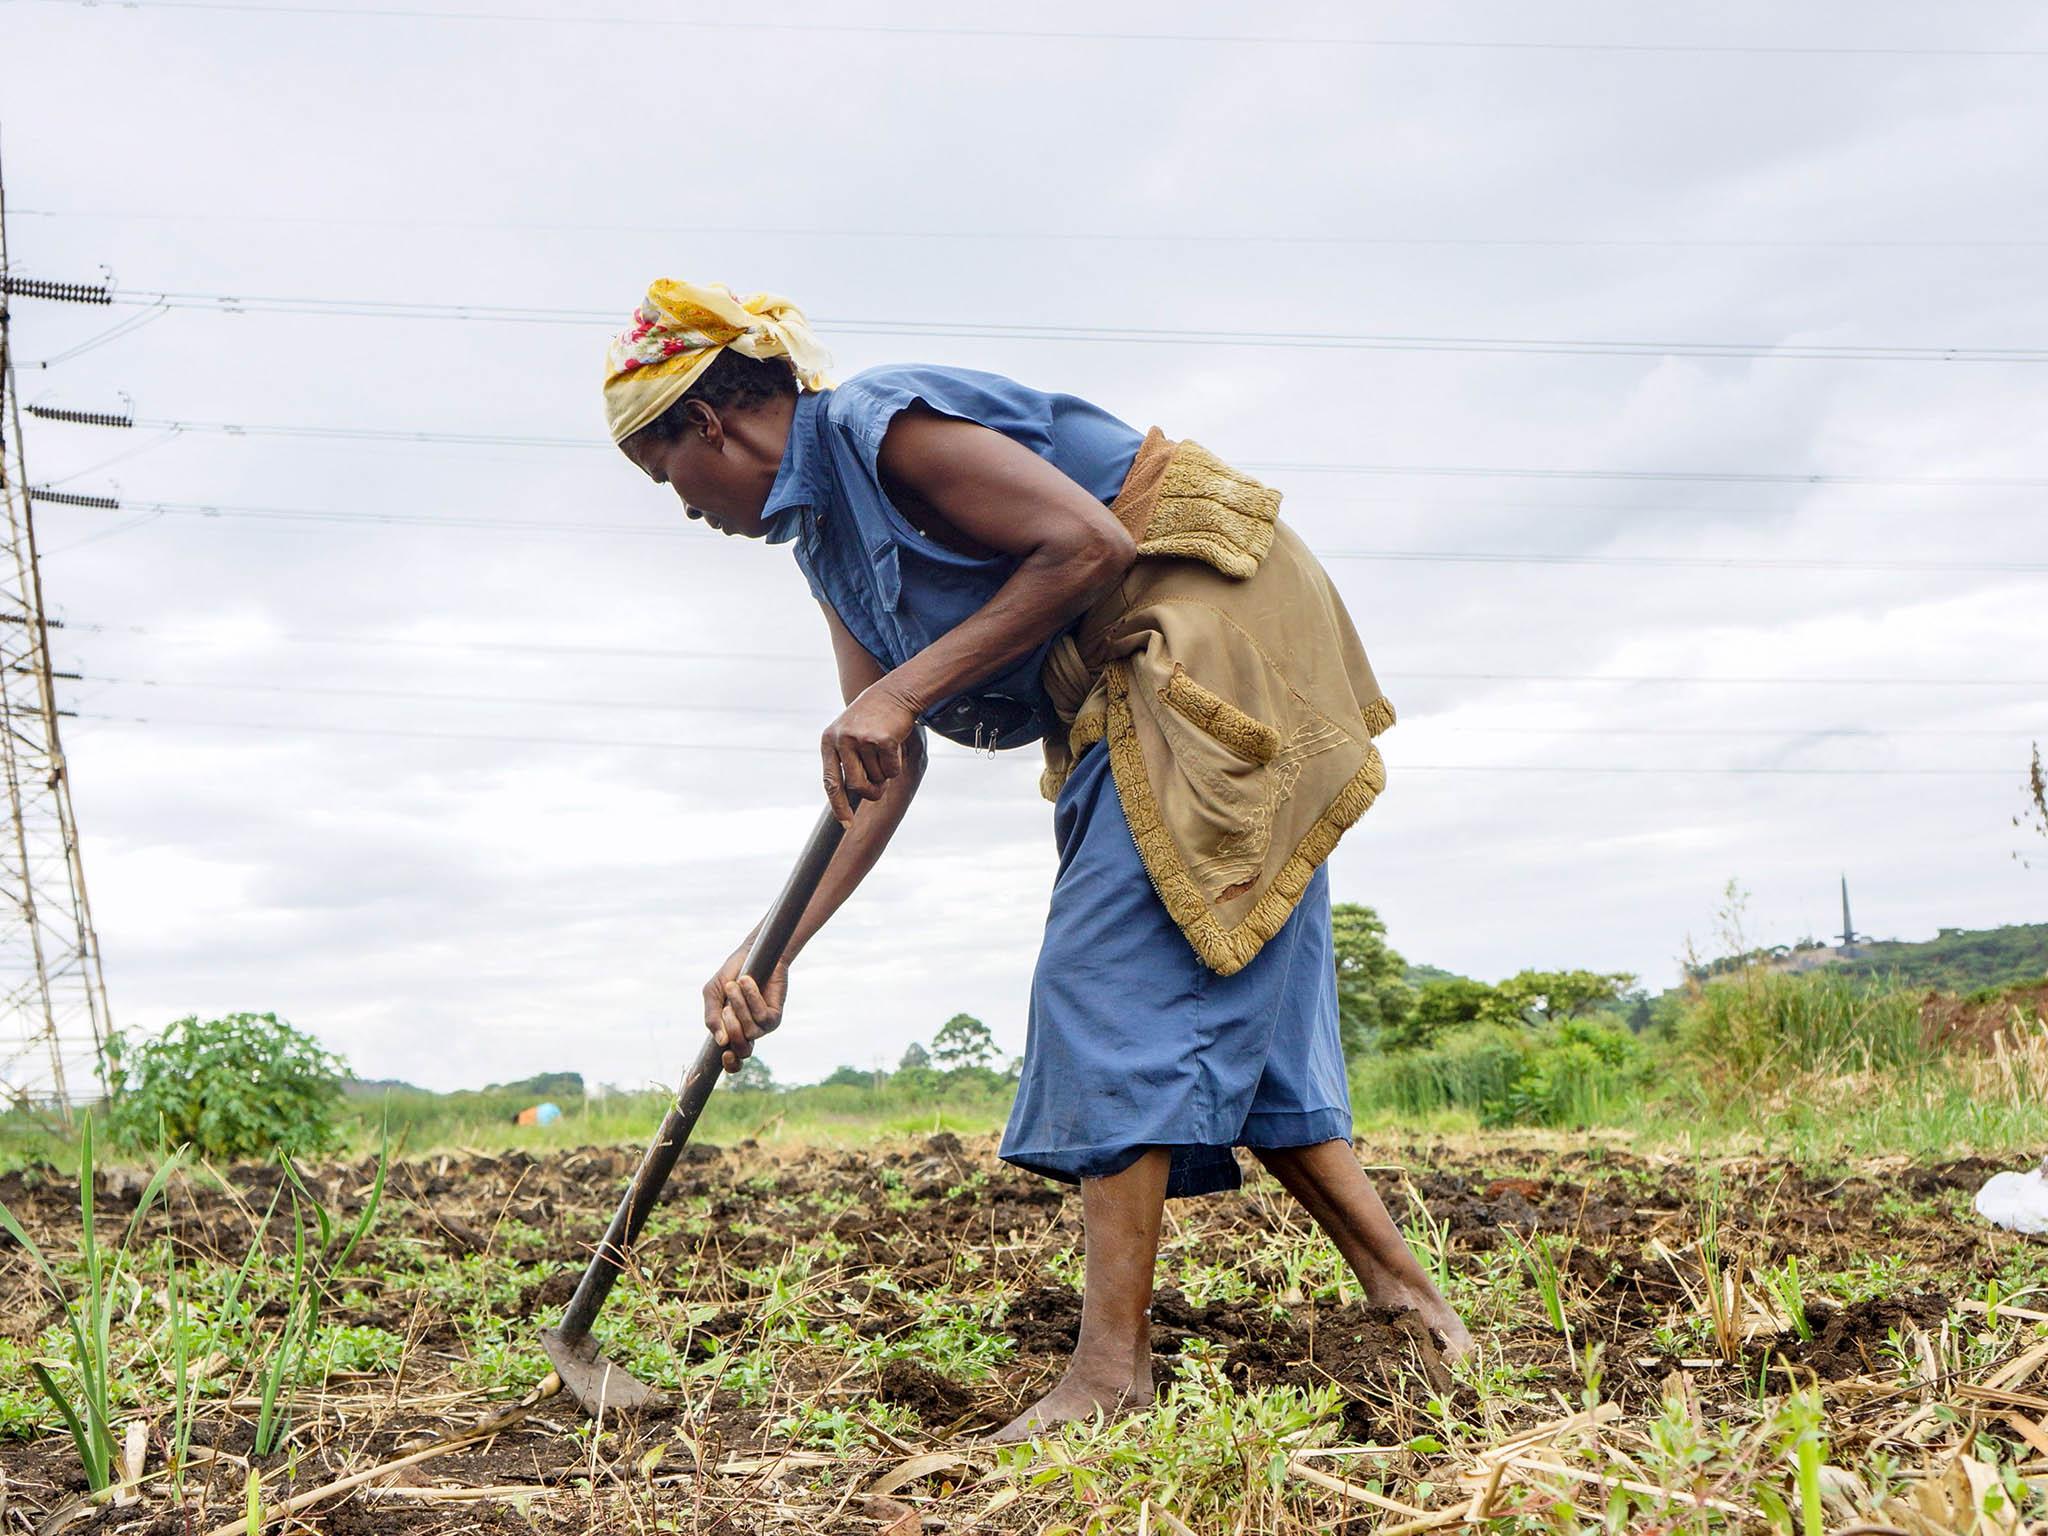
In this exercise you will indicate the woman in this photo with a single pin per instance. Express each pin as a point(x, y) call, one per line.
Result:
point(1008, 566)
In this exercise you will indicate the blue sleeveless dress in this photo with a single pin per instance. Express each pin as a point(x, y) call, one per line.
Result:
point(1132, 1042)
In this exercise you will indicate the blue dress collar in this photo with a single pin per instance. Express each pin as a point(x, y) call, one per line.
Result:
point(805, 476)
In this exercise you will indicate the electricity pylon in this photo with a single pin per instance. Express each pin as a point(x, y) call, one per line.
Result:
point(54, 1020)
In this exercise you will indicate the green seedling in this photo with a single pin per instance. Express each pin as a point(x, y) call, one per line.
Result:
point(186, 1382)
point(1541, 1265)
point(1428, 1239)
point(1803, 1416)
point(1791, 1294)
point(271, 1414)
point(308, 1282)
point(86, 1402)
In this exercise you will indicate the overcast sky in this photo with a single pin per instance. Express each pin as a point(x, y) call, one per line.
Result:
point(470, 801)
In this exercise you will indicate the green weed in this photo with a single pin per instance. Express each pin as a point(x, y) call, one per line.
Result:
point(1539, 1263)
point(1216, 1458)
point(1785, 1284)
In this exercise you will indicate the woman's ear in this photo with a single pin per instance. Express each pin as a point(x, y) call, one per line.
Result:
point(704, 423)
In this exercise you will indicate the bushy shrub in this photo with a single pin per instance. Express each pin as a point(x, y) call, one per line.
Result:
point(1760, 1029)
point(237, 1087)
point(1576, 1072)
point(1465, 1069)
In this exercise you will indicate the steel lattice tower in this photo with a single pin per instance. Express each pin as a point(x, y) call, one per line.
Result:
point(53, 996)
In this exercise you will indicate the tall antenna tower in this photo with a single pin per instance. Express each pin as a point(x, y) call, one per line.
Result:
point(53, 997)
point(1849, 936)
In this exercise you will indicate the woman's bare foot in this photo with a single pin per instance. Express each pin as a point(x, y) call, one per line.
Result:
point(1453, 1338)
point(1077, 1396)
point(1328, 1182)
point(1112, 1366)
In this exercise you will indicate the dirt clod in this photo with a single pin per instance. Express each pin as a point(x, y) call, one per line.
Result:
point(936, 1401)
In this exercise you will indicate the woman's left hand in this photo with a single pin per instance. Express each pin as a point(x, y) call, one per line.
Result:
point(863, 748)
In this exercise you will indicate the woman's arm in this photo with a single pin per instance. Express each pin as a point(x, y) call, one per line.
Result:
point(996, 494)
point(736, 1010)
point(870, 833)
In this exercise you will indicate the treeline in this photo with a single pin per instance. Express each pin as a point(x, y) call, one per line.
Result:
point(962, 1054)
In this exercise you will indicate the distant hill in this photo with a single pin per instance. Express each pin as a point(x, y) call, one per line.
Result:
point(542, 1085)
point(1960, 960)
point(1415, 975)
point(376, 1087)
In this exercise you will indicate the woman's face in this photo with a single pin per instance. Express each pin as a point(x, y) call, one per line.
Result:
point(714, 475)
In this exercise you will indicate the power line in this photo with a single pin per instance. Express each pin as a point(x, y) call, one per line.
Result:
point(1683, 562)
point(1289, 466)
point(521, 647)
point(216, 510)
point(1729, 477)
point(728, 748)
point(1368, 342)
point(521, 700)
point(1853, 732)
point(1725, 680)
point(1021, 34)
point(522, 740)
point(230, 510)
point(1459, 505)
point(220, 303)
point(495, 647)
point(1039, 234)
point(128, 326)
point(430, 696)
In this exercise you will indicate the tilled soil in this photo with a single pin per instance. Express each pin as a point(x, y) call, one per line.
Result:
point(891, 1240)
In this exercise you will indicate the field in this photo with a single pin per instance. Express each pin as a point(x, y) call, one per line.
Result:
point(1668, 1341)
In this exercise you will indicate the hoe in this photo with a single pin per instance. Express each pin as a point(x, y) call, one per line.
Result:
point(593, 1381)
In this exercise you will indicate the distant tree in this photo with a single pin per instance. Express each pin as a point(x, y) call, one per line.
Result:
point(915, 1058)
point(1442, 1005)
point(753, 1077)
point(963, 1041)
point(1544, 997)
point(1373, 997)
point(853, 1077)
point(1527, 1000)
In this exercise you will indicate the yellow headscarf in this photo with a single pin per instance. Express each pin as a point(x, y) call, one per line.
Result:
point(677, 332)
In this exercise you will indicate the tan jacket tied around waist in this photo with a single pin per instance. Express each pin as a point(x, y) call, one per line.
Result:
point(1236, 700)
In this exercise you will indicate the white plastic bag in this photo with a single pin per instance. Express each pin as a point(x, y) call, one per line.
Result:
point(2017, 1201)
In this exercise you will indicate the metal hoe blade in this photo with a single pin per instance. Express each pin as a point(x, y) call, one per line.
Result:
point(598, 1386)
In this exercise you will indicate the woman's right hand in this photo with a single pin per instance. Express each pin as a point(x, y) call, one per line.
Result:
point(737, 1011)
